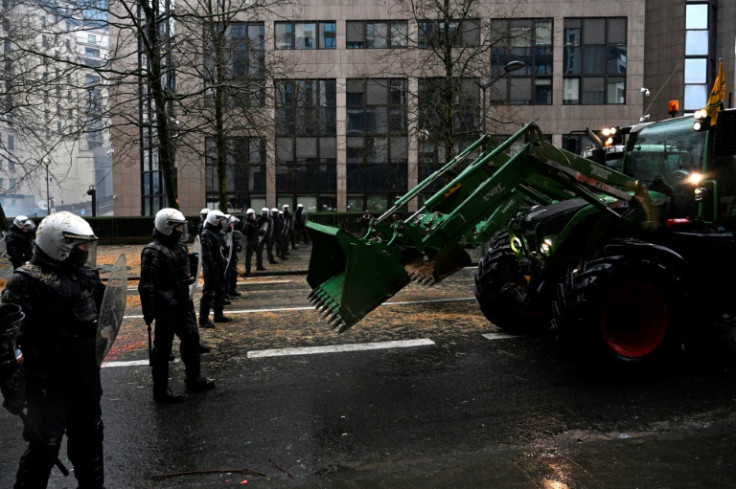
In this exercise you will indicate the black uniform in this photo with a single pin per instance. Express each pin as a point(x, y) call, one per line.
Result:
point(289, 228)
point(213, 267)
point(19, 245)
point(164, 292)
point(250, 231)
point(300, 224)
point(231, 276)
point(265, 235)
point(63, 387)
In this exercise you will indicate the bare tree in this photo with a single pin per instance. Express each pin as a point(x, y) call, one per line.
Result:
point(47, 104)
point(223, 86)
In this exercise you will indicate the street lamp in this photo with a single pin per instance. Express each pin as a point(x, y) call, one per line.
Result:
point(508, 68)
point(47, 161)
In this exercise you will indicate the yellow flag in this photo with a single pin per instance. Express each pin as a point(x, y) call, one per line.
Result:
point(717, 95)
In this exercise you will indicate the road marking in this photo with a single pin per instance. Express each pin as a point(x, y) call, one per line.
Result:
point(351, 347)
point(134, 288)
point(307, 350)
point(132, 363)
point(497, 336)
point(309, 308)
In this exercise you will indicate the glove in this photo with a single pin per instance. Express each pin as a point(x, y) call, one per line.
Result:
point(14, 392)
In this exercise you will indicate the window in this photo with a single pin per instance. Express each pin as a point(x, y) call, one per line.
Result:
point(432, 93)
point(436, 34)
point(594, 64)
point(306, 142)
point(92, 53)
point(377, 137)
point(698, 60)
point(529, 41)
point(376, 35)
point(305, 35)
point(245, 169)
point(91, 39)
point(241, 45)
point(11, 142)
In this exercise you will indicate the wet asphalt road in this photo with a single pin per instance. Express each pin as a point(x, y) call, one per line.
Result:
point(464, 411)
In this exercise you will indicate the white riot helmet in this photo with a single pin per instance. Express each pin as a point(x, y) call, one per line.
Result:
point(250, 212)
point(231, 219)
point(285, 207)
point(274, 211)
point(264, 212)
point(203, 213)
point(59, 234)
point(167, 219)
point(20, 221)
point(216, 218)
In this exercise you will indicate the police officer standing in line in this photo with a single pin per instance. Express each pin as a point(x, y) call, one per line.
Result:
point(265, 233)
point(60, 297)
point(231, 276)
point(289, 226)
point(278, 236)
point(300, 223)
point(213, 266)
point(202, 219)
point(164, 290)
point(250, 231)
point(19, 241)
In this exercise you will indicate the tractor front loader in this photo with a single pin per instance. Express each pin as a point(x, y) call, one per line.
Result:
point(350, 276)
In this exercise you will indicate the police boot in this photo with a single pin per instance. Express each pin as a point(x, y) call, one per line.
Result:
point(199, 384)
point(166, 396)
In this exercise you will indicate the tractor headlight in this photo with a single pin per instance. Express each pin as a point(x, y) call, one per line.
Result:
point(695, 178)
point(546, 247)
point(700, 194)
point(516, 244)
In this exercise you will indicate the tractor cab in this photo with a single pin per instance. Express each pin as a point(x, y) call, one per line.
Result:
point(695, 169)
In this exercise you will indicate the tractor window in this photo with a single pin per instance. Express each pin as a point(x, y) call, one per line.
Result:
point(662, 154)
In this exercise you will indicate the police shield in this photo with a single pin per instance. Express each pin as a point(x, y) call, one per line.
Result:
point(198, 269)
point(240, 243)
point(112, 308)
point(230, 247)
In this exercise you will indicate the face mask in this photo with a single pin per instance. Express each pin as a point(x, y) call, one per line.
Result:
point(77, 257)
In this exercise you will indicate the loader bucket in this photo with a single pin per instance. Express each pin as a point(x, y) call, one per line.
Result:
point(350, 276)
point(435, 264)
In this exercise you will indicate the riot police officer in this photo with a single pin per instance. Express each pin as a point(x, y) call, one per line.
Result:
point(19, 241)
point(250, 231)
point(164, 291)
point(300, 223)
point(213, 267)
point(202, 219)
point(232, 239)
point(60, 297)
point(265, 233)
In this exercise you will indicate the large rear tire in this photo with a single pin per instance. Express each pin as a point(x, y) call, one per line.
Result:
point(501, 284)
point(622, 311)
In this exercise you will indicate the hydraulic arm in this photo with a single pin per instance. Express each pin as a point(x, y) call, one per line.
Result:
point(350, 276)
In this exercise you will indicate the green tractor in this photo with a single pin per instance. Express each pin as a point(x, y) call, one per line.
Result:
point(614, 263)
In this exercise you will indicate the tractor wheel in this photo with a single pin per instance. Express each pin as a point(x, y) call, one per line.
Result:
point(501, 289)
point(622, 311)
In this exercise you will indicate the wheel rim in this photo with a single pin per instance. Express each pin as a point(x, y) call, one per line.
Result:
point(635, 320)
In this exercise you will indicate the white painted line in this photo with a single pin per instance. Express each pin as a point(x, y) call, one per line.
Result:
point(257, 282)
point(310, 308)
point(498, 336)
point(133, 363)
point(312, 350)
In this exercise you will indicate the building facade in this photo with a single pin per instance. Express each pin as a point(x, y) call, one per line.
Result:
point(54, 143)
point(349, 109)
